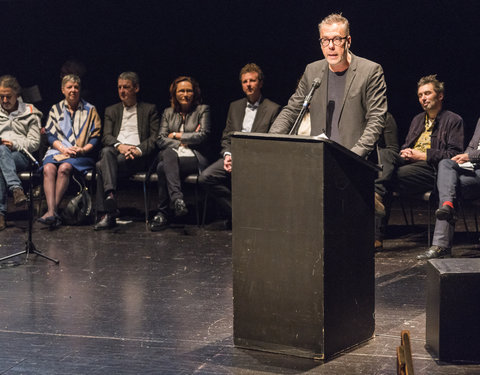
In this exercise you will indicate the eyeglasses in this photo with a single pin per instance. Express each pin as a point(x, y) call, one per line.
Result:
point(337, 41)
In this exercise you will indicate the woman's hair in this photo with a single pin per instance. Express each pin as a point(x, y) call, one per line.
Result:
point(71, 78)
point(197, 95)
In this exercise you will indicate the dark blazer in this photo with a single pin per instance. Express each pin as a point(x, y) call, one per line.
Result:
point(195, 134)
point(472, 148)
point(363, 111)
point(148, 124)
point(447, 136)
point(267, 111)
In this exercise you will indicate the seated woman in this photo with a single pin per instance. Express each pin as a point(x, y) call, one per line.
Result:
point(184, 129)
point(73, 129)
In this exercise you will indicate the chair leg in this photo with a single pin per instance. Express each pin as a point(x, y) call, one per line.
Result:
point(197, 213)
point(463, 216)
point(145, 201)
point(429, 224)
point(403, 211)
point(205, 204)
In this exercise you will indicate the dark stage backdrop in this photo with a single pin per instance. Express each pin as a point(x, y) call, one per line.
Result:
point(212, 39)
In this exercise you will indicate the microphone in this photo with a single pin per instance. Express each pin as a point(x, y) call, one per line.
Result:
point(306, 102)
point(308, 98)
point(29, 155)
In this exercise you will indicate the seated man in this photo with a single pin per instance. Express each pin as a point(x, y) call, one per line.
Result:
point(434, 134)
point(251, 114)
point(19, 130)
point(458, 175)
point(129, 134)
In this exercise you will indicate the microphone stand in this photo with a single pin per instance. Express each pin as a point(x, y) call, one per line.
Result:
point(29, 245)
point(306, 103)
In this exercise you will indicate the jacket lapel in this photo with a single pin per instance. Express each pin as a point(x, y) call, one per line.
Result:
point(258, 116)
point(351, 73)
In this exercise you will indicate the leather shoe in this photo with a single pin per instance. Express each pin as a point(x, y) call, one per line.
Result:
point(445, 212)
point(19, 197)
point(180, 208)
point(106, 222)
point(378, 245)
point(436, 252)
point(379, 206)
point(158, 223)
point(3, 224)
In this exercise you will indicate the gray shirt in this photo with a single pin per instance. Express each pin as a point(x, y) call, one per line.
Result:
point(336, 90)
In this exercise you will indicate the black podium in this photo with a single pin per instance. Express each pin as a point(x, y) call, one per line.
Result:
point(303, 254)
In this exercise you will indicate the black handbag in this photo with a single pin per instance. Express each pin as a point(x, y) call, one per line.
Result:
point(79, 208)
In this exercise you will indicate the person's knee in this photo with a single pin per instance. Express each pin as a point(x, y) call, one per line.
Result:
point(49, 170)
point(65, 169)
point(4, 151)
point(446, 163)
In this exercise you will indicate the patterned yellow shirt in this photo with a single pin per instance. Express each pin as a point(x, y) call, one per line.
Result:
point(424, 141)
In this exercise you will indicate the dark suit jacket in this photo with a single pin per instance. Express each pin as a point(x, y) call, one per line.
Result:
point(363, 111)
point(472, 149)
point(148, 124)
point(446, 139)
point(267, 111)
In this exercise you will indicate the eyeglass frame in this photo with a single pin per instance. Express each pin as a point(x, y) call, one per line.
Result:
point(336, 38)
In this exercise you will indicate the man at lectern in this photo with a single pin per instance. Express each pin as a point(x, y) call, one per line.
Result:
point(254, 113)
point(350, 104)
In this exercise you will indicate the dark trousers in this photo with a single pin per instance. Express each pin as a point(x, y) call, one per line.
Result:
point(405, 178)
point(111, 166)
point(217, 181)
point(170, 170)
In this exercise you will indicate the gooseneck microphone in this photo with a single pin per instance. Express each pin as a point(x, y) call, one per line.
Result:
point(306, 102)
point(29, 155)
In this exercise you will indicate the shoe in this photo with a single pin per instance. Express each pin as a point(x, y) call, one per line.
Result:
point(3, 224)
point(49, 220)
point(57, 222)
point(110, 203)
point(378, 245)
point(19, 197)
point(180, 208)
point(106, 222)
point(436, 252)
point(379, 206)
point(445, 212)
point(158, 223)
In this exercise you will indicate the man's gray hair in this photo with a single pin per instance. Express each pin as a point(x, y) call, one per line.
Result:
point(10, 82)
point(130, 76)
point(335, 18)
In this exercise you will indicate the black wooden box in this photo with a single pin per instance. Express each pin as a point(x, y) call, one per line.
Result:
point(453, 309)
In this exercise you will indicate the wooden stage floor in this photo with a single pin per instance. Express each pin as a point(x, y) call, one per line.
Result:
point(129, 301)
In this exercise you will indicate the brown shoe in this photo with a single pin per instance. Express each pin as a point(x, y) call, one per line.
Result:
point(19, 197)
point(3, 224)
point(379, 207)
point(378, 245)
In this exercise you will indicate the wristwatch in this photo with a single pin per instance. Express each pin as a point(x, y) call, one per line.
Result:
point(174, 135)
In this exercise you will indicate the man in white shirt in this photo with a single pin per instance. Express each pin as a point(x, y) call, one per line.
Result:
point(254, 113)
point(129, 133)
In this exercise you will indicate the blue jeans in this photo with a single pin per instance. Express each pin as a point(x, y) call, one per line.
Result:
point(453, 180)
point(10, 163)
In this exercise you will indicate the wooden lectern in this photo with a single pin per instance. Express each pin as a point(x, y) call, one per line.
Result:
point(303, 245)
